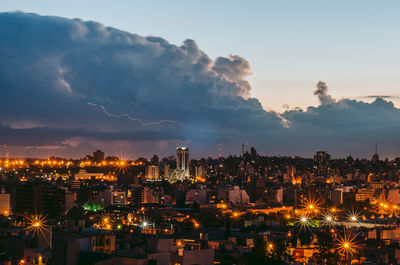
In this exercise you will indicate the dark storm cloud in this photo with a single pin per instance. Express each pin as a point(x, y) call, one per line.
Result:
point(51, 63)
point(65, 81)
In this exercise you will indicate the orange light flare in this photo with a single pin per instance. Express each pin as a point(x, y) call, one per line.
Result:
point(334, 210)
point(269, 247)
point(347, 246)
point(121, 166)
point(105, 221)
point(36, 224)
point(385, 207)
point(395, 210)
point(236, 215)
point(195, 224)
point(311, 205)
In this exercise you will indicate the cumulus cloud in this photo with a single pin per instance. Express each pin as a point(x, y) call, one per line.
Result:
point(77, 85)
point(69, 63)
point(235, 69)
point(322, 93)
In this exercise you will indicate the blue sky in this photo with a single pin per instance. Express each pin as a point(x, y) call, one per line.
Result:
point(290, 45)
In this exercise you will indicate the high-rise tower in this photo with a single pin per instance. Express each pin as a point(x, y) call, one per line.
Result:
point(182, 159)
point(375, 157)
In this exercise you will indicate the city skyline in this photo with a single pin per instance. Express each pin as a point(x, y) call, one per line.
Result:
point(199, 132)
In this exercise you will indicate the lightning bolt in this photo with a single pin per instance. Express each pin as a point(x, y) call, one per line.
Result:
point(129, 117)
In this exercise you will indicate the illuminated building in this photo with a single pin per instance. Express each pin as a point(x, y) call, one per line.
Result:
point(118, 198)
point(199, 171)
point(321, 159)
point(75, 184)
point(84, 175)
point(5, 208)
point(149, 196)
point(235, 195)
point(142, 194)
point(152, 172)
point(336, 196)
point(364, 194)
point(175, 175)
point(166, 171)
point(182, 160)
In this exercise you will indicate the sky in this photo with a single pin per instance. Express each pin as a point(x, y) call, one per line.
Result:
point(262, 63)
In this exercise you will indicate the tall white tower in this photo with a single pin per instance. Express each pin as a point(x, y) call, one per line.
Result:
point(182, 159)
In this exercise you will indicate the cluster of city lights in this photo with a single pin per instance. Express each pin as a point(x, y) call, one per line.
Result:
point(66, 163)
point(312, 211)
point(12, 163)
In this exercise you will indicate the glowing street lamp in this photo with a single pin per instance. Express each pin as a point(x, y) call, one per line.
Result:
point(329, 219)
point(346, 246)
point(37, 224)
point(353, 217)
point(303, 222)
point(269, 247)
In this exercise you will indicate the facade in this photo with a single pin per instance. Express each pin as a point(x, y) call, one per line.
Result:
point(5, 203)
point(238, 196)
point(98, 156)
point(394, 195)
point(84, 175)
point(118, 198)
point(45, 199)
point(197, 256)
point(199, 171)
point(336, 196)
point(182, 160)
point(152, 172)
point(142, 194)
point(198, 195)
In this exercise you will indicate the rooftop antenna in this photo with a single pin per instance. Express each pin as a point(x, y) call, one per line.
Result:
point(376, 147)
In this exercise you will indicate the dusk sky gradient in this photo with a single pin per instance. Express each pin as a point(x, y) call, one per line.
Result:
point(240, 78)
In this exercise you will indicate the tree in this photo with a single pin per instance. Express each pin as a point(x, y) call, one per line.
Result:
point(325, 255)
point(269, 253)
